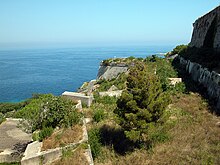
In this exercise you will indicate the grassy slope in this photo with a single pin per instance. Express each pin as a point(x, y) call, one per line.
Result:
point(193, 135)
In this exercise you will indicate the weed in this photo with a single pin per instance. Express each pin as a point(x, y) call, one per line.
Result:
point(95, 142)
point(99, 115)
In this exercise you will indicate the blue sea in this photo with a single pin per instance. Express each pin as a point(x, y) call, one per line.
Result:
point(55, 70)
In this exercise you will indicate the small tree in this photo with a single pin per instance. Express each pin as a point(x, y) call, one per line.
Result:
point(142, 104)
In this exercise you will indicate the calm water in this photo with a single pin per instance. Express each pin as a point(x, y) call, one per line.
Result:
point(27, 71)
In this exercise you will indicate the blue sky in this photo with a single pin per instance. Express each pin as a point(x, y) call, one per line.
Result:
point(99, 21)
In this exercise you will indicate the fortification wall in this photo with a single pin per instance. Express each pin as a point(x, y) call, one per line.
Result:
point(209, 79)
point(206, 32)
point(110, 72)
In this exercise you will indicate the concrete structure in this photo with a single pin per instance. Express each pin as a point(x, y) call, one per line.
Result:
point(34, 156)
point(110, 72)
point(78, 96)
point(174, 81)
point(13, 141)
point(87, 87)
point(206, 31)
point(209, 79)
point(111, 93)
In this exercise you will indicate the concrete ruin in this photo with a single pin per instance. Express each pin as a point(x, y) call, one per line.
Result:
point(13, 141)
point(87, 100)
point(111, 71)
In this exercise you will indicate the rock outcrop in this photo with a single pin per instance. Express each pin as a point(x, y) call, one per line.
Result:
point(206, 31)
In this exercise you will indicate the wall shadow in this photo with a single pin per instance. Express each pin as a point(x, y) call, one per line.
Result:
point(192, 86)
point(115, 137)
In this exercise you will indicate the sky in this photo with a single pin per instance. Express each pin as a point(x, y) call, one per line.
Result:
point(155, 22)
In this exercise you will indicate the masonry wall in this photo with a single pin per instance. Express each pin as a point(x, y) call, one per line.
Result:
point(209, 79)
point(206, 32)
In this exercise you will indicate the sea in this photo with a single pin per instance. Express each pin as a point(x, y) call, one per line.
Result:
point(26, 71)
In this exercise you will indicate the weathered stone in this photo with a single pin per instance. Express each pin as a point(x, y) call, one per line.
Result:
point(112, 93)
point(110, 72)
point(112, 88)
point(206, 31)
point(78, 96)
point(174, 81)
point(209, 79)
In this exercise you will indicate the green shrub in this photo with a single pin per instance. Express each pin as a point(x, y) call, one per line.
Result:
point(98, 115)
point(119, 82)
point(7, 107)
point(49, 111)
point(178, 49)
point(42, 134)
point(12, 163)
point(72, 118)
point(35, 136)
point(95, 142)
point(45, 132)
point(106, 62)
point(2, 118)
point(131, 58)
point(105, 99)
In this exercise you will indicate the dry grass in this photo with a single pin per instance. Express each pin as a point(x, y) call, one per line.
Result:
point(62, 137)
point(72, 158)
point(195, 138)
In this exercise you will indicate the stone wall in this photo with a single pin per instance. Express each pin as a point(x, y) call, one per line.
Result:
point(206, 31)
point(110, 72)
point(209, 79)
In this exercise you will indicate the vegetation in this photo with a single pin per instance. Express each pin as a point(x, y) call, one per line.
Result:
point(142, 104)
point(73, 157)
point(95, 142)
point(119, 82)
point(62, 137)
point(164, 70)
point(182, 133)
point(126, 61)
point(179, 49)
point(48, 112)
point(14, 163)
point(207, 57)
point(136, 128)
point(99, 114)
point(2, 118)
point(42, 134)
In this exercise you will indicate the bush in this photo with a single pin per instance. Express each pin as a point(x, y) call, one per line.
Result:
point(44, 133)
point(105, 99)
point(119, 82)
point(178, 49)
point(2, 118)
point(49, 111)
point(95, 142)
point(8, 107)
point(106, 62)
point(98, 115)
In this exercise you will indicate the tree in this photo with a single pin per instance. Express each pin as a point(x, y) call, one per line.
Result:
point(142, 104)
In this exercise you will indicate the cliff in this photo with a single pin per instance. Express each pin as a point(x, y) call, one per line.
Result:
point(206, 31)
